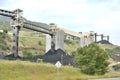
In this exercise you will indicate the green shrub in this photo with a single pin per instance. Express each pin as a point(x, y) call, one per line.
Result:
point(27, 54)
point(92, 60)
point(39, 60)
point(31, 53)
point(4, 38)
point(40, 43)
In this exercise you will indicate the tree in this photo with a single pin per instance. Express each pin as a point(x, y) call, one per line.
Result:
point(92, 60)
point(3, 41)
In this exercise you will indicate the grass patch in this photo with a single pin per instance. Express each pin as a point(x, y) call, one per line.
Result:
point(22, 70)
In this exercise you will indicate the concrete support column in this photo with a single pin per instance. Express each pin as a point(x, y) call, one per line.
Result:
point(55, 42)
point(92, 38)
point(85, 41)
point(82, 41)
point(48, 42)
point(88, 40)
point(59, 40)
point(15, 40)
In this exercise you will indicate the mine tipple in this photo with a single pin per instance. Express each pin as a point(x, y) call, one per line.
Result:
point(56, 39)
point(102, 37)
point(55, 35)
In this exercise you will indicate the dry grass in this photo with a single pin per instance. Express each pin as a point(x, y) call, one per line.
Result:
point(22, 70)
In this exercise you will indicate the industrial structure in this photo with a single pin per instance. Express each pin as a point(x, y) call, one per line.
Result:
point(55, 35)
point(102, 37)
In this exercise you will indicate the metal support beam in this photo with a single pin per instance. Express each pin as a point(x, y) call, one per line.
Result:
point(98, 35)
point(108, 38)
point(95, 37)
point(37, 24)
point(32, 27)
point(7, 13)
point(15, 40)
point(101, 37)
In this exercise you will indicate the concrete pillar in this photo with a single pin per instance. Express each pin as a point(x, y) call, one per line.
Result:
point(48, 42)
point(55, 42)
point(92, 38)
point(59, 40)
point(52, 43)
point(15, 40)
point(82, 41)
point(89, 40)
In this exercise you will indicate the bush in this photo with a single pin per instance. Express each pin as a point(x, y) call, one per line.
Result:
point(92, 60)
point(31, 53)
point(28, 54)
point(39, 60)
point(5, 30)
point(3, 41)
point(40, 43)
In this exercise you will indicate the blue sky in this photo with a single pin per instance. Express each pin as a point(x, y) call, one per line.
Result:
point(102, 16)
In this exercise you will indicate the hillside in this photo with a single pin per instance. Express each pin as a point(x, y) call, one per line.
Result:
point(114, 53)
point(2, 18)
point(111, 49)
point(37, 41)
point(22, 70)
point(5, 23)
point(34, 42)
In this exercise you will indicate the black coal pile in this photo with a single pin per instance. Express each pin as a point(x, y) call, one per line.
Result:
point(52, 56)
point(2, 55)
point(11, 57)
point(104, 42)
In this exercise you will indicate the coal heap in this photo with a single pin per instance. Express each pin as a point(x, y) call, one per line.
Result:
point(11, 57)
point(104, 42)
point(52, 56)
point(2, 55)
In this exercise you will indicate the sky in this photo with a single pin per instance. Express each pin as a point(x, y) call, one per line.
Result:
point(101, 16)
